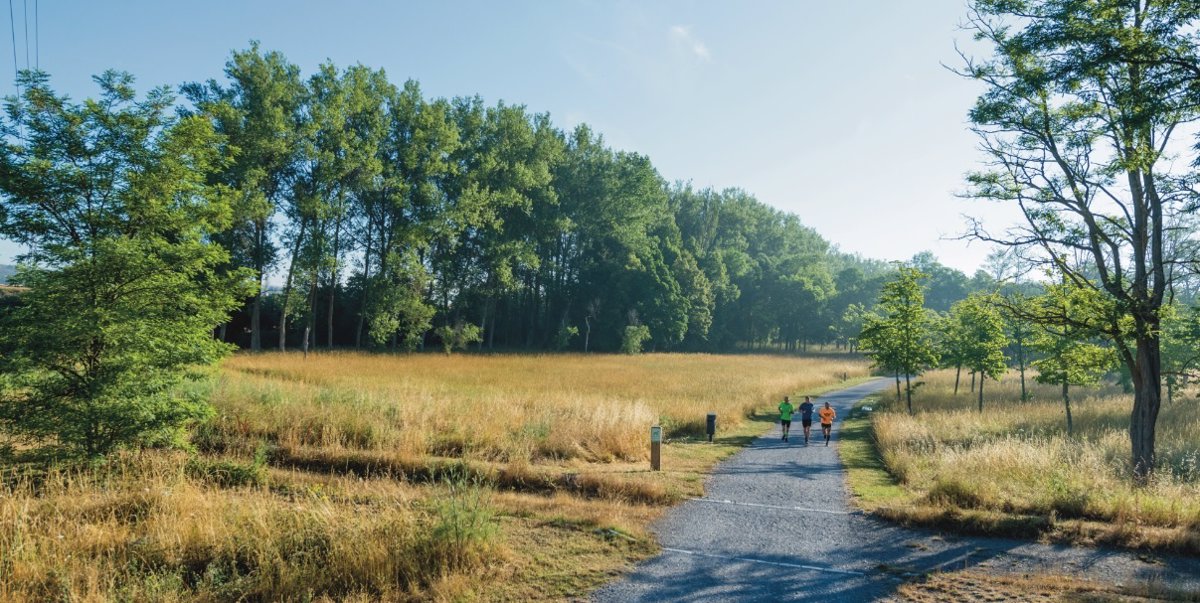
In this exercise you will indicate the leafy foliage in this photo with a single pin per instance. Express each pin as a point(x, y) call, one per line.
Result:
point(1082, 103)
point(112, 199)
point(458, 337)
point(976, 339)
point(900, 339)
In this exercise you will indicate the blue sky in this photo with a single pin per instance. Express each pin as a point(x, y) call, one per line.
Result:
point(840, 112)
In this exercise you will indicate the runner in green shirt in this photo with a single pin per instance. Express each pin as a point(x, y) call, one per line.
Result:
point(785, 416)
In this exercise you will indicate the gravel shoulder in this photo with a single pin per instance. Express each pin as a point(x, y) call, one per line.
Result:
point(776, 523)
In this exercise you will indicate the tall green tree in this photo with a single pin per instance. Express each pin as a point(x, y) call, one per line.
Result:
point(259, 115)
point(112, 199)
point(1081, 105)
point(415, 213)
point(349, 126)
point(900, 339)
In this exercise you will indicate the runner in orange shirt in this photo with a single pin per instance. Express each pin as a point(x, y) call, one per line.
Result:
point(828, 414)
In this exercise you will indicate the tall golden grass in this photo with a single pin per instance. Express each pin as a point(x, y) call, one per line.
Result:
point(369, 477)
point(502, 408)
point(1016, 457)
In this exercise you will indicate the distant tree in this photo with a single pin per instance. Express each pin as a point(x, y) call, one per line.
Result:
point(943, 285)
point(1180, 346)
point(979, 338)
point(1066, 346)
point(952, 345)
point(900, 339)
point(1077, 118)
point(1013, 307)
point(850, 325)
point(112, 199)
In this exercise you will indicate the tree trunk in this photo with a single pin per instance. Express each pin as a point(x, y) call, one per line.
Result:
point(1066, 394)
point(982, 378)
point(366, 288)
point(957, 374)
point(908, 391)
point(492, 331)
point(1021, 366)
point(333, 280)
point(897, 386)
point(287, 289)
point(256, 309)
point(256, 320)
point(1147, 398)
point(221, 331)
point(587, 333)
point(972, 382)
point(483, 324)
point(311, 328)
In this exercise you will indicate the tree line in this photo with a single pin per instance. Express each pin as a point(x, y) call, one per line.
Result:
point(393, 220)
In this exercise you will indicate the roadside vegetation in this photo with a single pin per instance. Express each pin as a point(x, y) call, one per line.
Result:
point(968, 585)
point(423, 477)
point(1012, 469)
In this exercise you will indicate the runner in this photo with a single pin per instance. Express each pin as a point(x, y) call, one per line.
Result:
point(827, 415)
point(785, 416)
point(806, 411)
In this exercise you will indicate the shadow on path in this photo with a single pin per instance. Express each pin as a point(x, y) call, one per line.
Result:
point(776, 524)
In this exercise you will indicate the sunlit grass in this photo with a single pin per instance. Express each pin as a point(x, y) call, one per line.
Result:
point(1016, 458)
point(503, 408)
point(363, 477)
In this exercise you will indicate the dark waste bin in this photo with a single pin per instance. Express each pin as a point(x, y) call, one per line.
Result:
point(711, 427)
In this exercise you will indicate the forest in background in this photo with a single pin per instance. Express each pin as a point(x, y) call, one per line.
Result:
point(376, 217)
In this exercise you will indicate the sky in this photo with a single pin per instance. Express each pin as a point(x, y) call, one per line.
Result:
point(844, 113)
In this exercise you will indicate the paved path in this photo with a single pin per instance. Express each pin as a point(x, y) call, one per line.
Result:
point(776, 525)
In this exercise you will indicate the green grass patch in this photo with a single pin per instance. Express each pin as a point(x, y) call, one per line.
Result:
point(872, 485)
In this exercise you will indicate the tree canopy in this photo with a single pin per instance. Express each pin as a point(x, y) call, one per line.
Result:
point(112, 198)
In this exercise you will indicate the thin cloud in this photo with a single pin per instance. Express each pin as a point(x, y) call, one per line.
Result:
point(683, 38)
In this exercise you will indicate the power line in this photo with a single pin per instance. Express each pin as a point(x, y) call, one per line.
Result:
point(12, 27)
point(25, 15)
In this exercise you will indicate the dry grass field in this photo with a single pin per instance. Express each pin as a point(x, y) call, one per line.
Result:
point(1013, 468)
point(363, 477)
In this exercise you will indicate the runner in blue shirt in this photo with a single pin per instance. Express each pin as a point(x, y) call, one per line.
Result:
point(806, 411)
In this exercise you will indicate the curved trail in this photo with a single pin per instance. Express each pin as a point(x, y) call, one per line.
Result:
point(776, 524)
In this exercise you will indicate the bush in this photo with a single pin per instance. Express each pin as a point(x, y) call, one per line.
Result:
point(633, 338)
point(230, 474)
point(563, 337)
point(459, 336)
point(465, 525)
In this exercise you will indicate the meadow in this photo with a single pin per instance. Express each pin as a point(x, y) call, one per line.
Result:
point(1013, 468)
point(364, 477)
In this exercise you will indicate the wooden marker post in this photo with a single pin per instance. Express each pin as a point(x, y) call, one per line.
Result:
point(655, 448)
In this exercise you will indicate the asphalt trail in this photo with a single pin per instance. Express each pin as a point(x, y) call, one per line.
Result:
point(776, 524)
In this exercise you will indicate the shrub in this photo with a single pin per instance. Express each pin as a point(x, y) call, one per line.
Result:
point(563, 337)
point(230, 474)
point(633, 338)
point(459, 336)
point(464, 527)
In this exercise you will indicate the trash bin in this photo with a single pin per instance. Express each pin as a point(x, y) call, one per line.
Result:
point(711, 427)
